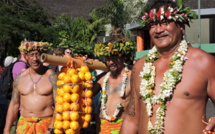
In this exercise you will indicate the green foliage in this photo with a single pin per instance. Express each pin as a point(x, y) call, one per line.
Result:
point(78, 33)
point(19, 20)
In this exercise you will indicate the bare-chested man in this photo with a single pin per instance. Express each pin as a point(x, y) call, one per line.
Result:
point(114, 86)
point(33, 91)
point(172, 84)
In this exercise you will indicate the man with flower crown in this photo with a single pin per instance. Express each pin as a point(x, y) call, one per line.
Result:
point(170, 86)
point(33, 92)
point(115, 84)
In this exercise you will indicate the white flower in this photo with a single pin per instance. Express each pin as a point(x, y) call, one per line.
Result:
point(167, 86)
point(104, 96)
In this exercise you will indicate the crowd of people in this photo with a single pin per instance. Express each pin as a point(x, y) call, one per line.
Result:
point(164, 92)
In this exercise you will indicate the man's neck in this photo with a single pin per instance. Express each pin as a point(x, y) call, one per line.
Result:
point(165, 53)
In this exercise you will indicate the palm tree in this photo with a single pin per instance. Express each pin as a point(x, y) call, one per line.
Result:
point(118, 13)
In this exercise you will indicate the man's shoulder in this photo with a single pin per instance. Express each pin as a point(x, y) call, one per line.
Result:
point(199, 54)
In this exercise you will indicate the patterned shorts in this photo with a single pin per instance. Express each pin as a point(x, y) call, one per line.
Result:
point(108, 127)
point(33, 125)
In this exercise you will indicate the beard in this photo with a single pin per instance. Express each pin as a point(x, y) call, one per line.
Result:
point(115, 73)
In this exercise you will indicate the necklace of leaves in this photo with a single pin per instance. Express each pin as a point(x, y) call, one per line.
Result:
point(171, 78)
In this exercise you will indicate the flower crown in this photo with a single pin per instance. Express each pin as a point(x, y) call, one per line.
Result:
point(33, 45)
point(181, 14)
point(119, 48)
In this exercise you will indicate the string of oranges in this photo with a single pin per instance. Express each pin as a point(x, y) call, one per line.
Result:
point(73, 100)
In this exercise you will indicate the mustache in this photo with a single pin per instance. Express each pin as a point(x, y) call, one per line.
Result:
point(160, 35)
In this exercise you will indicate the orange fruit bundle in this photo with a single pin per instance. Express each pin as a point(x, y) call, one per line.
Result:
point(73, 100)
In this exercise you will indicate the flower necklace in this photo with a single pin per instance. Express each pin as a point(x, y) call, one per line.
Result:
point(104, 96)
point(171, 78)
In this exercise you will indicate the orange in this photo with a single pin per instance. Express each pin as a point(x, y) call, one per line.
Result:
point(60, 82)
point(75, 78)
point(66, 116)
point(82, 93)
point(74, 125)
point(87, 117)
point(59, 108)
point(58, 131)
point(59, 99)
point(70, 131)
point(71, 71)
point(63, 69)
point(58, 124)
point(66, 125)
point(88, 110)
point(88, 93)
point(66, 79)
point(58, 117)
point(76, 89)
point(88, 76)
point(88, 84)
point(66, 106)
point(74, 97)
point(84, 69)
point(85, 124)
point(61, 75)
point(83, 117)
point(74, 116)
point(81, 75)
point(87, 101)
point(66, 97)
point(60, 92)
point(74, 107)
point(66, 88)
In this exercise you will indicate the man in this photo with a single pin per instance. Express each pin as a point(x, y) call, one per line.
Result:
point(21, 65)
point(34, 91)
point(114, 86)
point(56, 52)
point(172, 84)
point(68, 52)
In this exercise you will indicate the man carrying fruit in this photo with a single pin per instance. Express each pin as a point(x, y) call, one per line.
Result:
point(33, 92)
point(115, 85)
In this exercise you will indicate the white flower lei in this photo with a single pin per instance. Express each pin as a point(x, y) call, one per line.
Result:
point(104, 96)
point(171, 77)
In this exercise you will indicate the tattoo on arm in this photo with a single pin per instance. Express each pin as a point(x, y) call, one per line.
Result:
point(15, 92)
point(131, 106)
point(53, 80)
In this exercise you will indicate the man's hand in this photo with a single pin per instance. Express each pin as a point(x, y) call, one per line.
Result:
point(6, 132)
point(210, 128)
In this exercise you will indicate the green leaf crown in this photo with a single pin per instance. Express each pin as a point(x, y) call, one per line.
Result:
point(119, 48)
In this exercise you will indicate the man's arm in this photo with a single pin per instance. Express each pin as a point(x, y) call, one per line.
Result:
point(13, 106)
point(53, 80)
point(211, 89)
point(97, 84)
point(131, 120)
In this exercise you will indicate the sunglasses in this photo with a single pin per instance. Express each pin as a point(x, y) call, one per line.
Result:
point(68, 52)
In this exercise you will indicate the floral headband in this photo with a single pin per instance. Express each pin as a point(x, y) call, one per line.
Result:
point(119, 48)
point(181, 14)
point(33, 45)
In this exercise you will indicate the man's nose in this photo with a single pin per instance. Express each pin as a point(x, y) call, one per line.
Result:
point(159, 28)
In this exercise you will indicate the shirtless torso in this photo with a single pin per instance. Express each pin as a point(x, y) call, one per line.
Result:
point(114, 86)
point(185, 110)
point(36, 102)
point(34, 91)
